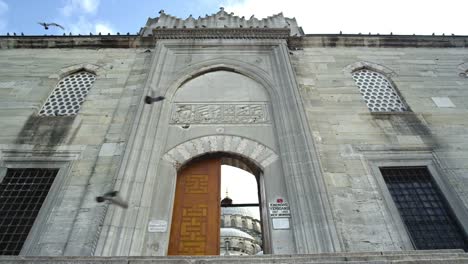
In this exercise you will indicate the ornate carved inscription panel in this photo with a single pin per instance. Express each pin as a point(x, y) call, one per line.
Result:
point(220, 113)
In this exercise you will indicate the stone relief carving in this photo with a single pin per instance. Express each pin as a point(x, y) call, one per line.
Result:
point(220, 20)
point(220, 113)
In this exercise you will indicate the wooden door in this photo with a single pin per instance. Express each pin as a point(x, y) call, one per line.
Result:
point(196, 215)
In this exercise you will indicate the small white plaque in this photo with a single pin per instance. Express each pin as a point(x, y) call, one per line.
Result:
point(443, 102)
point(280, 223)
point(157, 226)
point(279, 209)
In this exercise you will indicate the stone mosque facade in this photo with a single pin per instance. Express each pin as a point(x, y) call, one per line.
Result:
point(111, 145)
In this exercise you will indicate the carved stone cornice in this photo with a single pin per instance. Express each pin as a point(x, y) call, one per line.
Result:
point(223, 33)
point(220, 20)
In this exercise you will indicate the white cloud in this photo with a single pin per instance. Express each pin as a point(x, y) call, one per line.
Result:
point(104, 28)
point(80, 7)
point(82, 26)
point(3, 12)
point(85, 26)
point(332, 16)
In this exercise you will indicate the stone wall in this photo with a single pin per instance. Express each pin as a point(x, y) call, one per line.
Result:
point(71, 219)
point(350, 139)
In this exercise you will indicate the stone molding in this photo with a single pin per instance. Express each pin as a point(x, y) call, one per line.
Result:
point(255, 151)
point(387, 72)
point(222, 33)
point(23, 153)
point(92, 68)
point(308, 41)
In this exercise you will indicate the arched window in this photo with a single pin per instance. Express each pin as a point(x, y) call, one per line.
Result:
point(244, 224)
point(378, 92)
point(68, 95)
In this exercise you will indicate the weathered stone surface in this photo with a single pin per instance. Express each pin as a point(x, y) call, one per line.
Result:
point(104, 150)
point(340, 123)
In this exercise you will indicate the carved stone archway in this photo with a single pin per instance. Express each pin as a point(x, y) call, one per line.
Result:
point(149, 165)
point(255, 151)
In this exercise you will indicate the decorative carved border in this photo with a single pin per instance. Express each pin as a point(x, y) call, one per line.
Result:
point(221, 33)
point(261, 154)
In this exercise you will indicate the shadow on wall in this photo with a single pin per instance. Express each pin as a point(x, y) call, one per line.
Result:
point(45, 130)
point(406, 124)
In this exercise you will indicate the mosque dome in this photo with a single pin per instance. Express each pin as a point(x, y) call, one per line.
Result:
point(238, 211)
point(240, 229)
point(234, 232)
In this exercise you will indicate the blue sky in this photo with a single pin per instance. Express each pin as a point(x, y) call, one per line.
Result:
point(315, 16)
point(84, 16)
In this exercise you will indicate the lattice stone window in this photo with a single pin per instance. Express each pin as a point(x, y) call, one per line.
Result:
point(425, 212)
point(378, 92)
point(22, 193)
point(67, 97)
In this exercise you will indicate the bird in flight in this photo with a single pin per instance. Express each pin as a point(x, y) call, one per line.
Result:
point(150, 100)
point(113, 198)
point(47, 25)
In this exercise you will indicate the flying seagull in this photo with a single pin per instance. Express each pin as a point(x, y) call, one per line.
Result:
point(113, 198)
point(47, 25)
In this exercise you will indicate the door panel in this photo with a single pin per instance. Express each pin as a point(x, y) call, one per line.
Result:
point(196, 214)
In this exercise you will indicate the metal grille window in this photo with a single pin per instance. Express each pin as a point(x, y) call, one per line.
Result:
point(378, 92)
point(22, 192)
point(425, 212)
point(67, 97)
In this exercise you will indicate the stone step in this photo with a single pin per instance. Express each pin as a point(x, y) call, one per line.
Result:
point(394, 257)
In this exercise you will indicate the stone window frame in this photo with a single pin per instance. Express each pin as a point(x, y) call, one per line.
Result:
point(388, 73)
point(419, 159)
point(69, 70)
point(25, 157)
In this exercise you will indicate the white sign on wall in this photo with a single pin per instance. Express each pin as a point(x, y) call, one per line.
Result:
point(279, 209)
point(157, 226)
point(280, 214)
point(280, 223)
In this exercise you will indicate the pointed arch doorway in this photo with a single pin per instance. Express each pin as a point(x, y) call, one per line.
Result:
point(195, 228)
